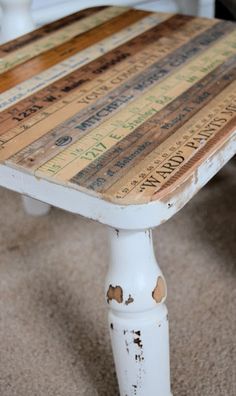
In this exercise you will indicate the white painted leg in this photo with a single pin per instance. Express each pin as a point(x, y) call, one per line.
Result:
point(16, 18)
point(138, 320)
point(189, 7)
point(34, 207)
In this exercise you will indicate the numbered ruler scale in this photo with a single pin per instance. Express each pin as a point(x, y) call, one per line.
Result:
point(121, 115)
point(116, 102)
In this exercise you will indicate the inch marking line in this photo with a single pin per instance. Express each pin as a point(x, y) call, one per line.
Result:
point(74, 62)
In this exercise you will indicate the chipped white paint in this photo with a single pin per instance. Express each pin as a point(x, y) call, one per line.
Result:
point(135, 286)
point(130, 217)
point(137, 315)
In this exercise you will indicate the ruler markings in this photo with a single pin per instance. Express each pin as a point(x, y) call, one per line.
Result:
point(110, 167)
point(119, 98)
point(43, 31)
point(83, 152)
point(226, 131)
point(61, 52)
point(54, 73)
point(154, 172)
point(28, 107)
point(59, 37)
point(68, 125)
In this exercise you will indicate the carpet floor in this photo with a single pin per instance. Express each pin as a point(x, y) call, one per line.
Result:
point(54, 339)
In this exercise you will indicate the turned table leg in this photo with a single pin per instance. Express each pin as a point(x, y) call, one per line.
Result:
point(34, 207)
point(16, 21)
point(138, 320)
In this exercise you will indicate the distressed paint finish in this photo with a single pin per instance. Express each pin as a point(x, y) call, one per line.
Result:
point(122, 111)
point(163, 89)
point(138, 329)
point(115, 293)
point(159, 293)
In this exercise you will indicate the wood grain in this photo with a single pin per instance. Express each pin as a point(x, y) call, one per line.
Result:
point(133, 122)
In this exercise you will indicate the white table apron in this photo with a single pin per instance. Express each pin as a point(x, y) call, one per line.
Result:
point(135, 288)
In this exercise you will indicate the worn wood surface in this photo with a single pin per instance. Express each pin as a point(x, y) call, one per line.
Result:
point(121, 104)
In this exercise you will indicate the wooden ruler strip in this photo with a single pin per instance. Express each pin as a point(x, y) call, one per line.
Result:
point(215, 142)
point(78, 155)
point(43, 31)
point(177, 29)
point(74, 62)
point(101, 174)
point(34, 154)
point(57, 38)
point(106, 106)
point(187, 145)
point(61, 52)
point(87, 92)
point(126, 55)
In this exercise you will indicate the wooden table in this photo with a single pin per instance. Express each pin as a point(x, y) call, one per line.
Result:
point(121, 116)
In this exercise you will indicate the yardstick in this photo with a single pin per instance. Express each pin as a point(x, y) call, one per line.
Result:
point(58, 37)
point(22, 41)
point(181, 149)
point(61, 52)
point(79, 154)
point(84, 99)
point(71, 63)
point(127, 55)
point(175, 28)
point(119, 103)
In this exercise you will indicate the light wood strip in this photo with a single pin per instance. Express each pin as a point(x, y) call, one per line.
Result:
point(61, 69)
point(171, 34)
point(58, 37)
point(84, 98)
point(65, 165)
point(60, 53)
point(101, 174)
point(43, 31)
point(153, 173)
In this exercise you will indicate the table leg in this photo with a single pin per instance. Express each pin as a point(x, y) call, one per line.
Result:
point(135, 293)
point(34, 207)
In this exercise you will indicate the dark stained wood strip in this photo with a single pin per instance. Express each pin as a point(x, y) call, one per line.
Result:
point(27, 108)
point(43, 31)
point(213, 144)
point(209, 128)
point(58, 54)
point(57, 38)
point(123, 94)
point(103, 173)
point(79, 154)
point(175, 109)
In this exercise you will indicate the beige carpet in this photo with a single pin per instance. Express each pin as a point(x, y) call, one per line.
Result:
point(53, 332)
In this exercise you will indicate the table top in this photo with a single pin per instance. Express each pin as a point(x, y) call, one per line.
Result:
point(121, 104)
